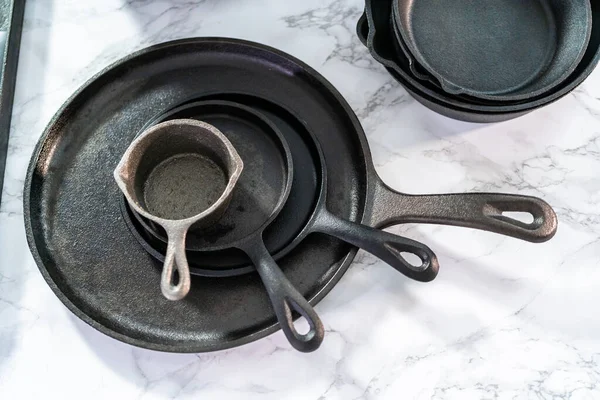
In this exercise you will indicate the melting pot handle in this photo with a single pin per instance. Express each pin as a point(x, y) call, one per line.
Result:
point(175, 260)
point(285, 298)
point(484, 211)
point(386, 246)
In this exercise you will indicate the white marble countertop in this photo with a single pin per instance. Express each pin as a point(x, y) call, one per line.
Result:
point(505, 319)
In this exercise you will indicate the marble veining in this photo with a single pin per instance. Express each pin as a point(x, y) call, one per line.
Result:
point(505, 319)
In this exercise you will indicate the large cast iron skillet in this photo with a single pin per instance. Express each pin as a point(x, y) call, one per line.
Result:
point(92, 262)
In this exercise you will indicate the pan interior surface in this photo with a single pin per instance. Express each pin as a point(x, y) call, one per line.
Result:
point(183, 186)
point(487, 46)
point(496, 47)
point(73, 217)
point(260, 187)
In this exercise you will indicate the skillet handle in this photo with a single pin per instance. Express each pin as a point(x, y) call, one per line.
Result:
point(285, 298)
point(484, 211)
point(386, 246)
point(175, 260)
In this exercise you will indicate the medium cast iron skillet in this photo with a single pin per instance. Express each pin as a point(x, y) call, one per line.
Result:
point(208, 251)
point(249, 238)
point(88, 256)
point(230, 118)
point(386, 246)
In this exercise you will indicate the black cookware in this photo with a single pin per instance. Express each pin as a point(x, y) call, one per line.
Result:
point(209, 251)
point(433, 103)
point(377, 35)
point(495, 49)
point(384, 245)
point(247, 227)
point(247, 235)
point(90, 259)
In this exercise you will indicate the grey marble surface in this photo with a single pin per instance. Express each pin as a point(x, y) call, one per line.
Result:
point(505, 319)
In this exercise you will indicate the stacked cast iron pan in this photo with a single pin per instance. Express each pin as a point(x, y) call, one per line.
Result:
point(103, 260)
point(486, 61)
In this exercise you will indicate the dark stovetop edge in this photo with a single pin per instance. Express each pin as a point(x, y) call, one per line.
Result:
point(8, 75)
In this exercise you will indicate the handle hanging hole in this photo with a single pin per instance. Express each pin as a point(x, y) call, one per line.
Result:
point(175, 277)
point(412, 259)
point(302, 326)
point(520, 216)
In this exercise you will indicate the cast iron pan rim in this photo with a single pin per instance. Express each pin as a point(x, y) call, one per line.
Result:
point(183, 348)
point(508, 110)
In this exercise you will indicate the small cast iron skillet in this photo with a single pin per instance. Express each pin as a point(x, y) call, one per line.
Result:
point(260, 186)
point(500, 50)
point(375, 32)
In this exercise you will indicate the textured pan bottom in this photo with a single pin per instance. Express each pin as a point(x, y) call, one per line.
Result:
point(183, 186)
point(492, 47)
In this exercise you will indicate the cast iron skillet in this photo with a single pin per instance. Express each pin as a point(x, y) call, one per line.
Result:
point(433, 104)
point(249, 238)
point(503, 50)
point(284, 297)
point(379, 41)
point(209, 251)
point(386, 246)
point(96, 267)
point(389, 247)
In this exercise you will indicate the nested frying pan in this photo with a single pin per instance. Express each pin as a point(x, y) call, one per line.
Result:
point(448, 110)
point(249, 237)
point(374, 30)
point(481, 211)
point(384, 245)
point(111, 284)
point(504, 50)
point(208, 251)
point(230, 118)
